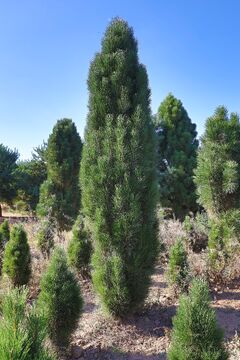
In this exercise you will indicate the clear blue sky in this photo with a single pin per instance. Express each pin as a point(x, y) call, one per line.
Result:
point(190, 48)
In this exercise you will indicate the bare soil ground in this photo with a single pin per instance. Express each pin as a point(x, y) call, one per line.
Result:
point(146, 335)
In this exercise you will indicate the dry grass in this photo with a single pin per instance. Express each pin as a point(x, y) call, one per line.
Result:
point(146, 334)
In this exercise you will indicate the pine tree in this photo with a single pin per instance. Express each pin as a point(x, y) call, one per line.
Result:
point(59, 194)
point(8, 166)
point(118, 172)
point(196, 335)
point(178, 265)
point(45, 237)
point(177, 157)
point(17, 260)
point(218, 164)
point(22, 329)
point(80, 246)
point(5, 231)
point(60, 300)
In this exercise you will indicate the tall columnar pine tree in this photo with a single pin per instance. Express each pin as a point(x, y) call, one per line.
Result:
point(218, 164)
point(118, 172)
point(59, 194)
point(177, 157)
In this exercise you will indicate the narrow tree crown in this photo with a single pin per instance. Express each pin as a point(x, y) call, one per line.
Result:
point(118, 171)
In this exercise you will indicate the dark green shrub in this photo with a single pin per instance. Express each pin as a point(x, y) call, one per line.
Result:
point(17, 259)
point(45, 237)
point(80, 246)
point(22, 329)
point(178, 272)
point(60, 300)
point(5, 231)
point(118, 173)
point(196, 335)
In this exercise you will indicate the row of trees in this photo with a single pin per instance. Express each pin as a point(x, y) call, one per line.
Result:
point(120, 183)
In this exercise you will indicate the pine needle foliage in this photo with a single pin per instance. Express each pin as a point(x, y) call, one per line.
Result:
point(60, 299)
point(118, 172)
point(45, 237)
point(178, 272)
point(196, 335)
point(80, 246)
point(218, 164)
point(5, 231)
point(177, 151)
point(22, 329)
point(59, 194)
point(17, 259)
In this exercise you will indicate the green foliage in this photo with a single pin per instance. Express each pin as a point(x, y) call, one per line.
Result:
point(224, 238)
point(30, 175)
point(5, 231)
point(45, 237)
point(196, 335)
point(60, 194)
point(8, 167)
point(118, 172)
point(178, 272)
point(80, 246)
point(177, 157)
point(17, 260)
point(60, 300)
point(22, 329)
point(218, 164)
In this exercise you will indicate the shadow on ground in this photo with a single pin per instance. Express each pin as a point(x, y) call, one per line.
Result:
point(94, 353)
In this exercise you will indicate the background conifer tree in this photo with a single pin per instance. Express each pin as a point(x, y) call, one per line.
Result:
point(177, 157)
point(118, 172)
point(59, 194)
point(17, 259)
point(218, 164)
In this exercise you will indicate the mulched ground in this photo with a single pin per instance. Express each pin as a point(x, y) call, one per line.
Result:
point(145, 335)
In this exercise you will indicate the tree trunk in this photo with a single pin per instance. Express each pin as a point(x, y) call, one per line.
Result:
point(0, 210)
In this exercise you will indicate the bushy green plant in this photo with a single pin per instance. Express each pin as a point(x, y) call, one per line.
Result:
point(80, 246)
point(5, 231)
point(17, 259)
point(178, 272)
point(177, 150)
point(45, 237)
point(218, 164)
point(60, 299)
point(196, 335)
point(224, 242)
point(118, 173)
point(22, 329)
